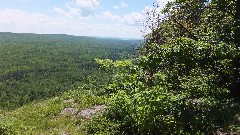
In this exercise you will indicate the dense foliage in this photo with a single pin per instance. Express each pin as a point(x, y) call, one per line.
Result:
point(41, 66)
point(185, 79)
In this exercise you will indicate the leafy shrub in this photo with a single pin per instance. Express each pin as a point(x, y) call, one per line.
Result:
point(6, 126)
point(198, 106)
point(185, 78)
point(100, 125)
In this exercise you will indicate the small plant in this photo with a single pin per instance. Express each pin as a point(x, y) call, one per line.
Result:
point(6, 126)
point(100, 125)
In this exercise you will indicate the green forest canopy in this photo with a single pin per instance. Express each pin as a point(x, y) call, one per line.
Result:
point(41, 66)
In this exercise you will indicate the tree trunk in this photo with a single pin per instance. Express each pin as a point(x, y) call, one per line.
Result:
point(235, 89)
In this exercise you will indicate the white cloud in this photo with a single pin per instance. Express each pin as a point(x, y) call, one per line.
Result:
point(70, 13)
point(25, 22)
point(90, 4)
point(121, 5)
point(80, 18)
point(109, 15)
point(83, 8)
point(133, 18)
point(59, 11)
point(87, 7)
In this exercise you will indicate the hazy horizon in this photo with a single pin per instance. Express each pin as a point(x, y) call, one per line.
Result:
point(92, 18)
point(122, 38)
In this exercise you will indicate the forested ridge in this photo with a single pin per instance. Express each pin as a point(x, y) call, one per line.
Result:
point(42, 66)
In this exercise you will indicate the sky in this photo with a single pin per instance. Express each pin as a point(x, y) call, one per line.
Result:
point(98, 18)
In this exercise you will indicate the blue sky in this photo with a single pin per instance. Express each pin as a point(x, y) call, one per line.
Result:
point(104, 18)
